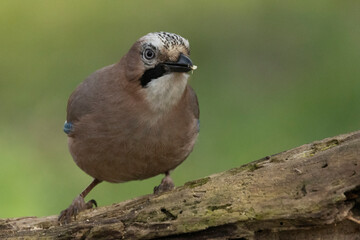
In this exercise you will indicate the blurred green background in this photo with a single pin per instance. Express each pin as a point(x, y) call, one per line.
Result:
point(272, 75)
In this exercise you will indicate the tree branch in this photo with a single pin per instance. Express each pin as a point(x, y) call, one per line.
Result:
point(306, 192)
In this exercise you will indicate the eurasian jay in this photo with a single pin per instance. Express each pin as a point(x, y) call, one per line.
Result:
point(134, 119)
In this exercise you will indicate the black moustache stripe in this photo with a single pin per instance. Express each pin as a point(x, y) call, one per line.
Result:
point(153, 73)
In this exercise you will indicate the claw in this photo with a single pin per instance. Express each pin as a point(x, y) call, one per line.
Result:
point(92, 202)
point(166, 184)
point(75, 208)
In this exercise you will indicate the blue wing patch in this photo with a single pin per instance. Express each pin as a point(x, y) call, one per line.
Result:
point(68, 127)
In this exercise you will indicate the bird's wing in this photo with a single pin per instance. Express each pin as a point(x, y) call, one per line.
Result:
point(79, 103)
point(193, 102)
point(83, 100)
point(194, 105)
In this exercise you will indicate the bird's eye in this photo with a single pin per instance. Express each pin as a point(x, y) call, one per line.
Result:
point(149, 54)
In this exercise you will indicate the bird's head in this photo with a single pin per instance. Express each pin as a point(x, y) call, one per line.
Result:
point(159, 63)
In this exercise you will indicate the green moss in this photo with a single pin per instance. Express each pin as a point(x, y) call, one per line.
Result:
point(254, 166)
point(247, 167)
point(44, 225)
point(338, 198)
point(262, 216)
point(237, 170)
point(276, 160)
point(217, 207)
point(192, 226)
point(197, 183)
point(146, 216)
point(322, 146)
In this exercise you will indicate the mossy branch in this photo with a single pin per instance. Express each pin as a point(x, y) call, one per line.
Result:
point(308, 192)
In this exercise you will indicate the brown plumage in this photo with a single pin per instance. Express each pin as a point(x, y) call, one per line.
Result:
point(134, 119)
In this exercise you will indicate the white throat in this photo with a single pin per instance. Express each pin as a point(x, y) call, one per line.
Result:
point(164, 92)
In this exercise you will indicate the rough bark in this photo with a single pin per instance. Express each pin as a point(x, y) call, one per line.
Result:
point(309, 192)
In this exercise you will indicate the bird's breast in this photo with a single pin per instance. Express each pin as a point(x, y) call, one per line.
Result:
point(130, 147)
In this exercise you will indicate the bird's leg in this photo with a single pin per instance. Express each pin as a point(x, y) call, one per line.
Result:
point(166, 184)
point(78, 204)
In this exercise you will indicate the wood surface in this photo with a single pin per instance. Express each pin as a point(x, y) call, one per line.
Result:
point(309, 192)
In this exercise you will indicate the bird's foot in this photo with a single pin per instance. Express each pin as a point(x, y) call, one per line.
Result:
point(75, 207)
point(166, 184)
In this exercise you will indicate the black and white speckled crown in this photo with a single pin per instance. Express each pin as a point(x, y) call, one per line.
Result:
point(166, 40)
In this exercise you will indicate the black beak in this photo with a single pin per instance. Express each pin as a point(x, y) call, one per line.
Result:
point(183, 64)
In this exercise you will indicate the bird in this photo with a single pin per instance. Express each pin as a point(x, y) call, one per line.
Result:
point(134, 119)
